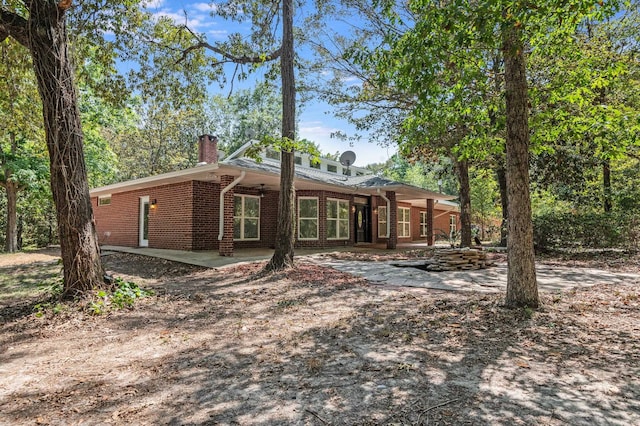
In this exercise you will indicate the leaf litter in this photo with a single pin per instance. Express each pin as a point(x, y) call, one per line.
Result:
point(312, 345)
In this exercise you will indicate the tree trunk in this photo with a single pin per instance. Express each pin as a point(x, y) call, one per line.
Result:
point(522, 287)
point(504, 201)
point(462, 171)
point(52, 64)
point(606, 183)
point(285, 236)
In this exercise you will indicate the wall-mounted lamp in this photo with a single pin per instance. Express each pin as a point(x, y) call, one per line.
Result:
point(375, 211)
point(261, 190)
point(154, 203)
point(353, 209)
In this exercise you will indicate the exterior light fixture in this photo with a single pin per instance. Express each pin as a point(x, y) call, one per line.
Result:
point(154, 203)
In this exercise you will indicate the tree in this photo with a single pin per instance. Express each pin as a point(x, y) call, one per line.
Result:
point(41, 27)
point(455, 43)
point(263, 47)
point(21, 163)
point(245, 115)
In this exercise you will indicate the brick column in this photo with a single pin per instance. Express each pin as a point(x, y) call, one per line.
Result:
point(225, 247)
point(430, 240)
point(392, 220)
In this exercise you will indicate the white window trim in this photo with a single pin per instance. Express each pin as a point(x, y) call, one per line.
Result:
point(104, 197)
point(423, 224)
point(339, 237)
point(402, 222)
point(317, 218)
point(386, 222)
point(243, 217)
point(453, 223)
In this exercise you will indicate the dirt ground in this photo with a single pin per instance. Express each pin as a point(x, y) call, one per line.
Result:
point(314, 346)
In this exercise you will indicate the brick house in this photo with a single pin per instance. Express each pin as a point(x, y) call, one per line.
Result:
point(232, 203)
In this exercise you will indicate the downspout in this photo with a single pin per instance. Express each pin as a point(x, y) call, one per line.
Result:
point(388, 211)
point(224, 191)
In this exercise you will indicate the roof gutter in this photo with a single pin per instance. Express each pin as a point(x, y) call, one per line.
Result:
point(224, 191)
point(388, 211)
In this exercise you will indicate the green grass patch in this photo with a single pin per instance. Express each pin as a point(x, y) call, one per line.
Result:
point(28, 280)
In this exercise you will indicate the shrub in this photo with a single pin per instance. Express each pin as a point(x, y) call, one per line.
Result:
point(585, 230)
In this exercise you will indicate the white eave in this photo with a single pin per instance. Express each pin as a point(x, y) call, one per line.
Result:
point(204, 172)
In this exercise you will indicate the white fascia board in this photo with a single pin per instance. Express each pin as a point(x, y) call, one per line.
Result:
point(162, 179)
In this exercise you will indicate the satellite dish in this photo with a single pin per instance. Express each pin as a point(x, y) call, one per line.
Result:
point(347, 158)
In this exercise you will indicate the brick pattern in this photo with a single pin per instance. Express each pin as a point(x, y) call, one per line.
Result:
point(187, 214)
point(170, 222)
point(206, 215)
point(207, 149)
point(225, 246)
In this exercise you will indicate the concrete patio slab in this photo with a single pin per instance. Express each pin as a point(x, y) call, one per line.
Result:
point(491, 280)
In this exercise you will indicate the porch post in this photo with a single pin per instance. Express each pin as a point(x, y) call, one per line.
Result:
point(430, 240)
point(225, 247)
point(392, 220)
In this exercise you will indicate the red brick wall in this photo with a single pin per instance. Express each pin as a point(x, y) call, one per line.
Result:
point(186, 218)
point(170, 223)
point(206, 214)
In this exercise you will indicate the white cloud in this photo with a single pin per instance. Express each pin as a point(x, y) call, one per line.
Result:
point(204, 7)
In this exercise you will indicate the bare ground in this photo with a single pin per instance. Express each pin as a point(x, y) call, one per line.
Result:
point(316, 346)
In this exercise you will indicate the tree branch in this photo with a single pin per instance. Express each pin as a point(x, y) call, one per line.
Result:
point(243, 59)
point(14, 26)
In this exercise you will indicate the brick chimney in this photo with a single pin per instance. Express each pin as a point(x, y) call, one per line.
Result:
point(207, 149)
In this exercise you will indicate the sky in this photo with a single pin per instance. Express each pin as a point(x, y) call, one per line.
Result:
point(316, 122)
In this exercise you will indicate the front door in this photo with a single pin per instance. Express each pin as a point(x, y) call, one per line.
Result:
point(143, 237)
point(361, 221)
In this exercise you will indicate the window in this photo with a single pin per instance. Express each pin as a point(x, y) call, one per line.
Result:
point(273, 154)
point(104, 200)
point(423, 224)
point(246, 217)
point(404, 215)
point(314, 164)
point(452, 223)
point(337, 219)
point(359, 173)
point(307, 218)
point(382, 222)
point(346, 172)
point(297, 160)
point(332, 168)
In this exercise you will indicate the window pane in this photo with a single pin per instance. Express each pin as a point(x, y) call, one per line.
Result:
point(344, 228)
point(237, 206)
point(382, 229)
point(308, 208)
point(382, 214)
point(332, 209)
point(406, 229)
point(251, 207)
point(251, 228)
point(236, 228)
point(344, 209)
point(332, 229)
point(308, 228)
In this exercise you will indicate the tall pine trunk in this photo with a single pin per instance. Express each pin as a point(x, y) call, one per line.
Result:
point(285, 236)
point(522, 287)
point(78, 240)
point(462, 171)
